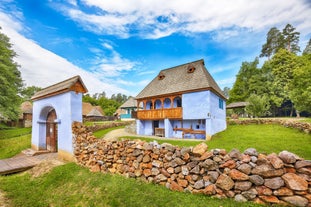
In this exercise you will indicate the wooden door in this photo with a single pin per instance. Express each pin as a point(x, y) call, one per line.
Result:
point(51, 132)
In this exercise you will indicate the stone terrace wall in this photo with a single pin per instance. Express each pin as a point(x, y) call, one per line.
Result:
point(303, 126)
point(108, 125)
point(273, 179)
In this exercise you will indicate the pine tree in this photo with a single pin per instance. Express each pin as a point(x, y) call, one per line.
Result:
point(307, 50)
point(291, 39)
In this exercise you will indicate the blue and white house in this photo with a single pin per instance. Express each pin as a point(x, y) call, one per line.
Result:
point(55, 108)
point(182, 102)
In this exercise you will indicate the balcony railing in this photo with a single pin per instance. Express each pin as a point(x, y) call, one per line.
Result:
point(154, 114)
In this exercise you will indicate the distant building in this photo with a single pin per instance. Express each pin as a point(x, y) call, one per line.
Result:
point(92, 113)
point(25, 117)
point(182, 102)
point(128, 109)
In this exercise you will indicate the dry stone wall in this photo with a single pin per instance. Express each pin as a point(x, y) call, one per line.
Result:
point(249, 176)
point(303, 126)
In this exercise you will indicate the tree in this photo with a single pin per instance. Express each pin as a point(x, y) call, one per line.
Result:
point(240, 90)
point(291, 39)
point(307, 50)
point(300, 92)
point(273, 43)
point(258, 105)
point(10, 80)
point(226, 91)
point(28, 92)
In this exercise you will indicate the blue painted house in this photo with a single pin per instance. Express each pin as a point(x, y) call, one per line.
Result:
point(128, 109)
point(182, 102)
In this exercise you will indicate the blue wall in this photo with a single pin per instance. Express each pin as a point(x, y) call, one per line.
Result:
point(68, 107)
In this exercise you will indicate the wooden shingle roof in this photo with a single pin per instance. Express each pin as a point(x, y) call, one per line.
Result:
point(130, 103)
point(237, 105)
point(188, 77)
point(72, 84)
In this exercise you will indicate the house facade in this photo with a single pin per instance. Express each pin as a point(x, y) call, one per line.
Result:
point(128, 109)
point(182, 102)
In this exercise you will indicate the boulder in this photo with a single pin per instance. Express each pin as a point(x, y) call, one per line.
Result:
point(303, 163)
point(237, 175)
point(267, 171)
point(296, 200)
point(274, 183)
point(251, 152)
point(275, 161)
point(256, 179)
point(245, 168)
point(242, 185)
point(288, 157)
point(240, 198)
point(224, 182)
point(200, 149)
point(295, 182)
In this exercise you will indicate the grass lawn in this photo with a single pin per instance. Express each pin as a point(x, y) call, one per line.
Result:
point(13, 141)
point(101, 133)
point(72, 185)
point(265, 138)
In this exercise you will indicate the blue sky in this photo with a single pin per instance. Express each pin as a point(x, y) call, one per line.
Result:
point(119, 46)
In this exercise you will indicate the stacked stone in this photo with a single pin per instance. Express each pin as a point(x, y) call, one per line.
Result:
point(248, 176)
point(303, 126)
point(97, 127)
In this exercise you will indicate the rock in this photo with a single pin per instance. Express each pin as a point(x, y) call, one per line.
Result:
point(179, 161)
point(224, 182)
point(209, 164)
point(274, 183)
point(288, 157)
point(303, 163)
point(256, 179)
point(185, 150)
point(213, 175)
point(263, 190)
point(175, 187)
point(240, 198)
point(237, 175)
point(182, 182)
point(245, 168)
point(199, 184)
point(229, 164)
point(200, 149)
point(242, 185)
point(235, 154)
point(296, 200)
point(160, 178)
point(195, 170)
point(305, 170)
point(170, 170)
point(168, 147)
point(206, 155)
point(250, 194)
point(210, 190)
point(275, 161)
point(251, 152)
point(155, 171)
point(157, 163)
point(295, 182)
point(146, 158)
point(267, 171)
point(270, 199)
point(147, 172)
point(184, 170)
point(283, 192)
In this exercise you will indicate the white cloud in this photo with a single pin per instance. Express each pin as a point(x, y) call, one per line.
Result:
point(40, 67)
point(155, 19)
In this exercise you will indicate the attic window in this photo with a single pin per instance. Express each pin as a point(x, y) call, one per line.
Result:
point(161, 76)
point(190, 69)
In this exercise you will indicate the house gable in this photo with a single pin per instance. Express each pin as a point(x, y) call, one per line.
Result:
point(189, 77)
point(72, 84)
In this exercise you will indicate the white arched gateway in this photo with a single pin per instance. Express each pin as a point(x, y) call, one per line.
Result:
point(55, 108)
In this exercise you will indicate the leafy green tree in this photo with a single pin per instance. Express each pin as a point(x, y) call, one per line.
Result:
point(10, 80)
point(273, 43)
point(307, 50)
point(300, 92)
point(291, 39)
point(28, 92)
point(240, 90)
point(258, 105)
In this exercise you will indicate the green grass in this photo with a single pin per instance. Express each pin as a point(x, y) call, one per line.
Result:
point(14, 132)
point(101, 133)
point(72, 185)
point(12, 146)
point(264, 138)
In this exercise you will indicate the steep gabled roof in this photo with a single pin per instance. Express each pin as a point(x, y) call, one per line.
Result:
point(237, 105)
point(72, 84)
point(94, 112)
point(130, 103)
point(188, 77)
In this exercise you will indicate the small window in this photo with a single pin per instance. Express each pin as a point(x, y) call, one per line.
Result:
point(190, 69)
point(161, 76)
point(221, 104)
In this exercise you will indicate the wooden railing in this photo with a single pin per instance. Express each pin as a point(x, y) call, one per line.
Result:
point(154, 114)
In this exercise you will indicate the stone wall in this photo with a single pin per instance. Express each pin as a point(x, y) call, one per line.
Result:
point(96, 127)
point(275, 179)
point(303, 126)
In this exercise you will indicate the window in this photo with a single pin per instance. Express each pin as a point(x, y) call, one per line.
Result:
point(221, 104)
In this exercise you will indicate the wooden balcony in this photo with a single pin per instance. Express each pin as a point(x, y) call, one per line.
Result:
point(156, 114)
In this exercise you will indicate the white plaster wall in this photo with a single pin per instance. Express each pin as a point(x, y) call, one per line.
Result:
point(196, 105)
point(68, 107)
point(218, 115)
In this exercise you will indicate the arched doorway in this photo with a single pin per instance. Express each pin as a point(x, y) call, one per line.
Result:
point(51, 131)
